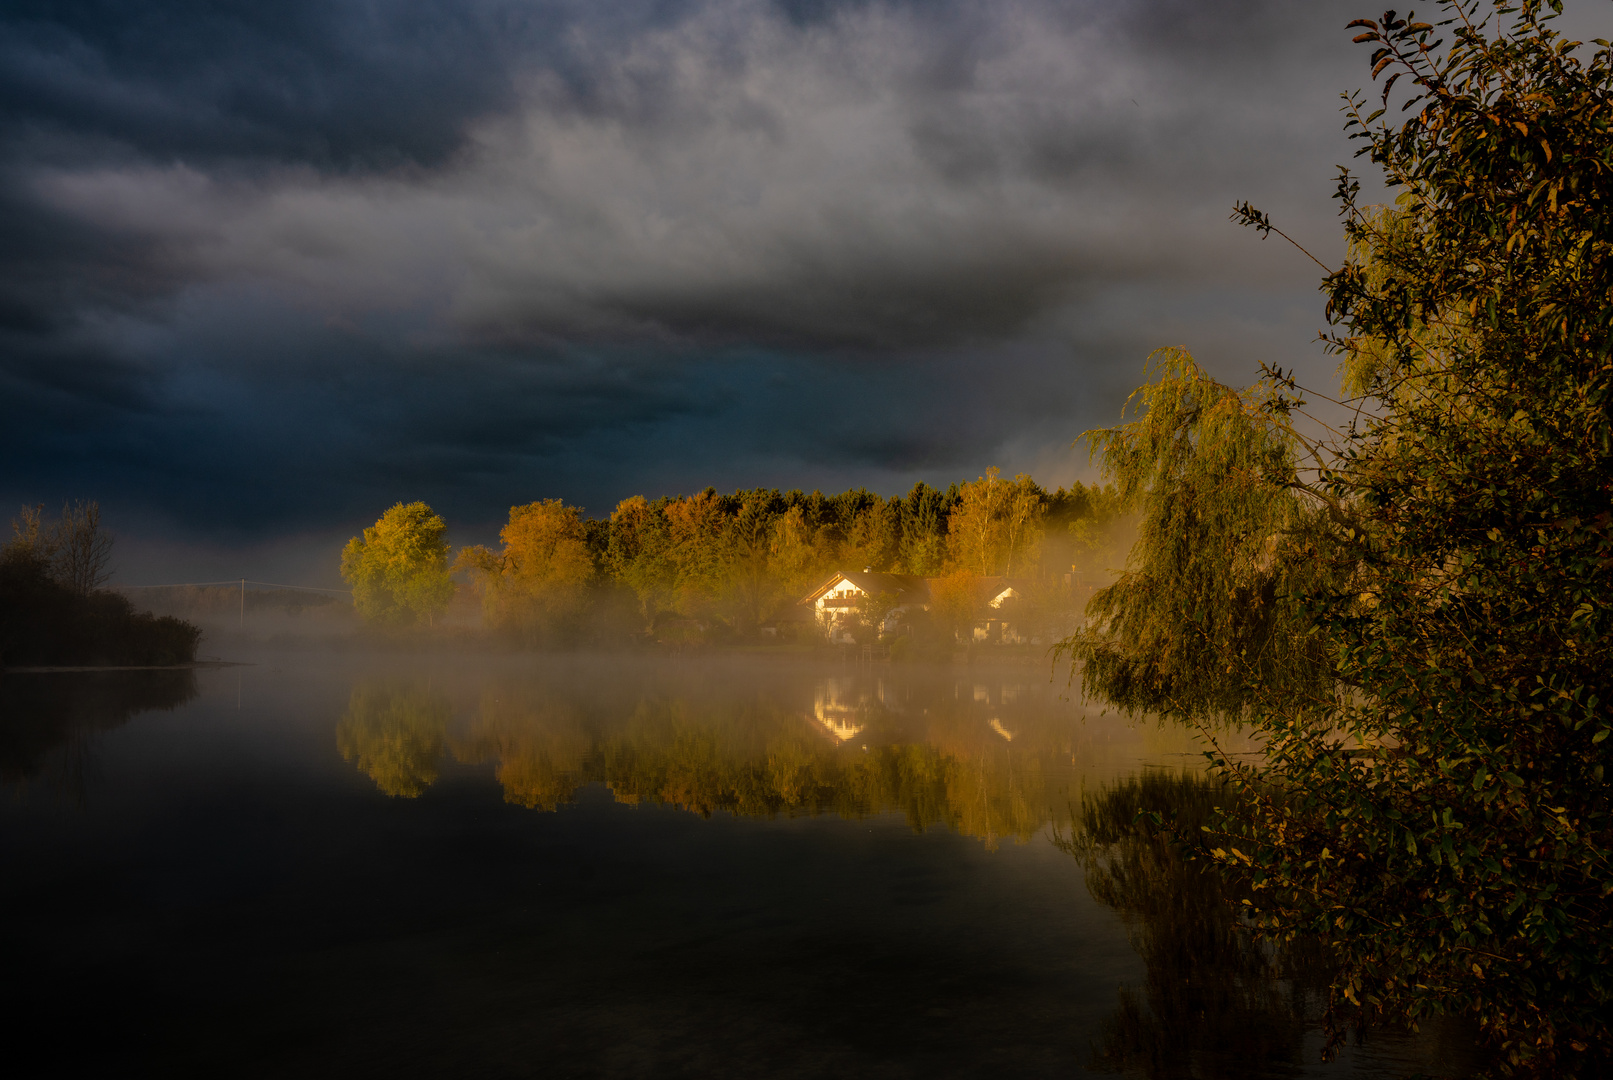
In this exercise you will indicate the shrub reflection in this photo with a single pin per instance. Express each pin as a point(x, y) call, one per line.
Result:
point(1214, 999)
point(55, 715)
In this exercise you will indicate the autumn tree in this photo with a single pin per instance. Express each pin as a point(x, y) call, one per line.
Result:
point(996, 527)
point(957, 603)
point(538, 581)
point(732, 561)
point(398, 568)
point(1022, 527)
point(1413, 611)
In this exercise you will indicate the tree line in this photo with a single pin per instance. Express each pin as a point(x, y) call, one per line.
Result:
point(53, 609)
point(729, 563)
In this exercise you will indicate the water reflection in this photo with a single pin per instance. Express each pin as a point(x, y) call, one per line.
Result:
point(989, 759)
point(52, 717)
point(1214, 999)
point(218, 896)
point(395, 734)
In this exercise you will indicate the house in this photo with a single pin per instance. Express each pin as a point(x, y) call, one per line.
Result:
point(997, 625)
point(835, 603)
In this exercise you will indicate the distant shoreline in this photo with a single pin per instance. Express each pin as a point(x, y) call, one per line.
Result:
point(45, 669)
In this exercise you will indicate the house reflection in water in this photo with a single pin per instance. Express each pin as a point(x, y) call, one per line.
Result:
point(837, 707)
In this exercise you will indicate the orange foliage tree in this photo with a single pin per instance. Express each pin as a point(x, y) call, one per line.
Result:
point(539, 581)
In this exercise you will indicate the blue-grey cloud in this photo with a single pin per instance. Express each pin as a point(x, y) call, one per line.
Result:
point(271, 266)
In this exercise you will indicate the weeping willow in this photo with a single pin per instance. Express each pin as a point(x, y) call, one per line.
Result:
point(1208, 619)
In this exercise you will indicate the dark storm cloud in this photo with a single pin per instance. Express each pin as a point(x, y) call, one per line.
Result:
point(266, 265)
point(343, 85)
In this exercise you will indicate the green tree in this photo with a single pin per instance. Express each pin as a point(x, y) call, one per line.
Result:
point(697, 529)
point(924, 530)
point(873, 536)
point(399, 568)
point(752, 585)
point(1414, 611)
point(975, 530)
point(792, 554)
point(637, 553)
point(1022, 524)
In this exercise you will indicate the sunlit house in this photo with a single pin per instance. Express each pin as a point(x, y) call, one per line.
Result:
point(998, 625)
point(836, 604)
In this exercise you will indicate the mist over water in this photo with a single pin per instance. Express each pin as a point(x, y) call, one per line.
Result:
point(575, 865)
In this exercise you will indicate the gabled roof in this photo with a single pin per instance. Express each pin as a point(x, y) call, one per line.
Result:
point(991, 589)
point(907, 588)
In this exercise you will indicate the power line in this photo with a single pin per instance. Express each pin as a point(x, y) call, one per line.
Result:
point(237, 581)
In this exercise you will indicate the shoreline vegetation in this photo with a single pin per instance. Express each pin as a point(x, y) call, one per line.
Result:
point(1410, 611)
point(54, 612)
point(712, 570)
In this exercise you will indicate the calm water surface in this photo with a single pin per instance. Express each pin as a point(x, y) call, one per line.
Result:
point(457, 866)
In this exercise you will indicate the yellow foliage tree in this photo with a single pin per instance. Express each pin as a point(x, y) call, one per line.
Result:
point(399, 567)
point(636, 554)
point(698, 531)
point(996, 528)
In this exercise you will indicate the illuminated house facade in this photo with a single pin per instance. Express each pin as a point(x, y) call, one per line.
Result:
point(835, 603)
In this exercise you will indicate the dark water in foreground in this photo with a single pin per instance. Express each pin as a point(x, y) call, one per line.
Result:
point(615, 868)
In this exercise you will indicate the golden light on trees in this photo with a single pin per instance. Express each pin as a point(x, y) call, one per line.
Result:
point(399, 568)
point(996, 528)
point(539, 579)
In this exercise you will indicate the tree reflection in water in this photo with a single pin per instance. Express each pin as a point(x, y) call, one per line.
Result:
point(753, 756)
point(978, 760)
point(395, 735)
point(1215, 1000)
point(52, 717)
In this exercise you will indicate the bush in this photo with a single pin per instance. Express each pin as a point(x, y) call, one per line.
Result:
point(45, 622)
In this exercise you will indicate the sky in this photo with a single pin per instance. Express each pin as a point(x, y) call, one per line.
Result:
point(267, 269)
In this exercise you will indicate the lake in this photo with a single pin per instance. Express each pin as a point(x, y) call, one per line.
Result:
point(606, 866)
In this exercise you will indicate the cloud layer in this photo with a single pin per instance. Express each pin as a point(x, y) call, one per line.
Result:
point(270, 267)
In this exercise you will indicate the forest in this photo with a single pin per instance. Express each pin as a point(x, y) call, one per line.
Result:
point(714, 567)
